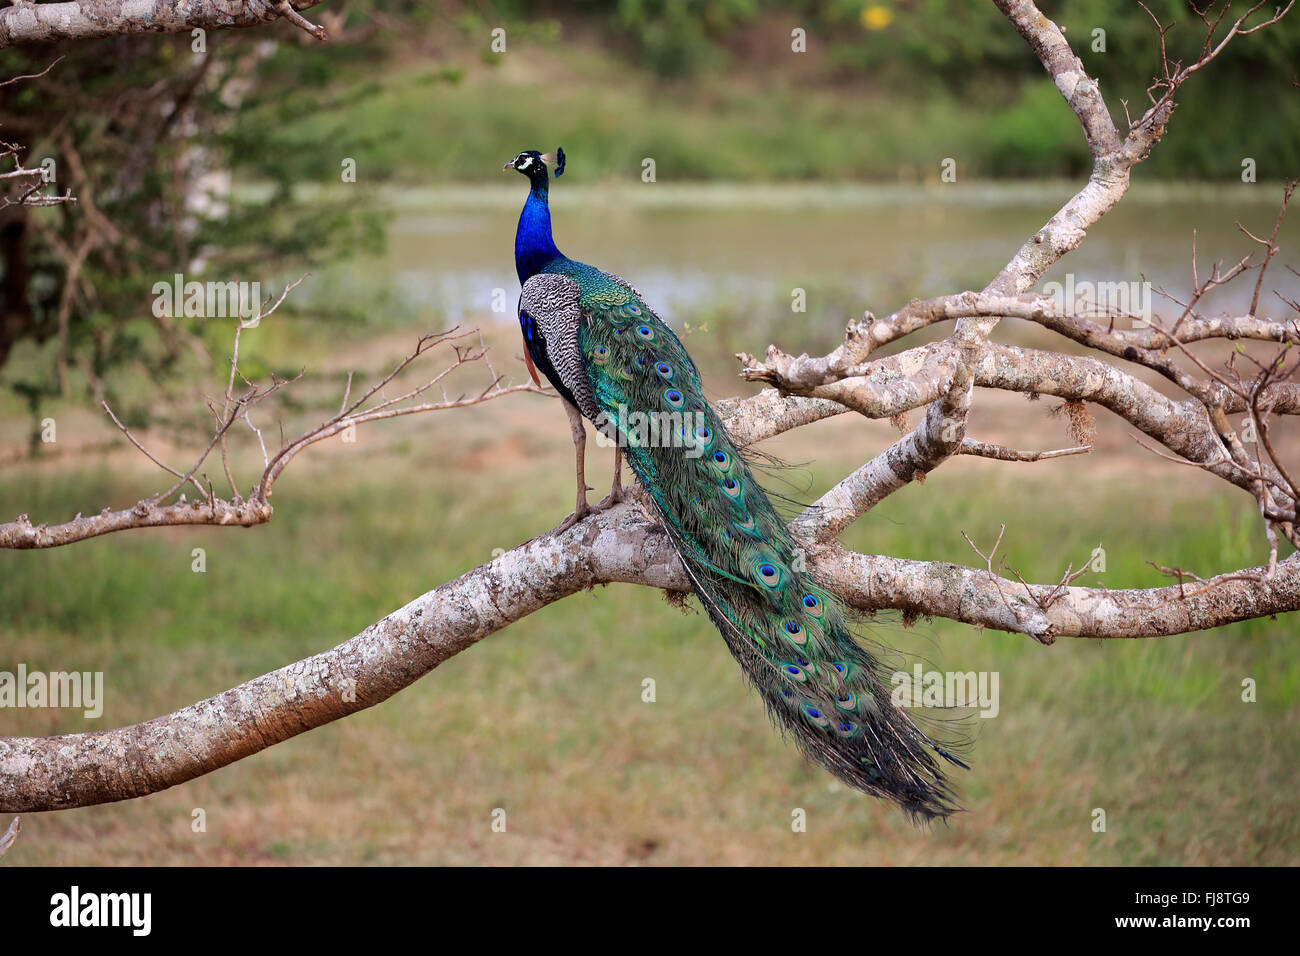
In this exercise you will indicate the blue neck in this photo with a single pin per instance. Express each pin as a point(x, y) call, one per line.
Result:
point(534, 247)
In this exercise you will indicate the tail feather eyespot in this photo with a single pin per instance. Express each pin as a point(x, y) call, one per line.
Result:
point(815, 715)
point(767, 573)
point(808, 666)
point(846, 728)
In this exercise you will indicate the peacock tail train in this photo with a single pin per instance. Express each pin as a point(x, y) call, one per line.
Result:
point(626, 370)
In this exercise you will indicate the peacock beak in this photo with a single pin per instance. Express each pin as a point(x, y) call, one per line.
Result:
point(509, 165)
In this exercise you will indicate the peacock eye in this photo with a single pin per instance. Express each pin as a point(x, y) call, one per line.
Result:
point(793, 627)
point(810, 600)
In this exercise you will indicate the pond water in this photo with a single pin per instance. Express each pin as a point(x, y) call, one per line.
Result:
point(450, 249)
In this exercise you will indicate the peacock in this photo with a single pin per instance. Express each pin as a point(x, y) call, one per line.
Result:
point(614, 362)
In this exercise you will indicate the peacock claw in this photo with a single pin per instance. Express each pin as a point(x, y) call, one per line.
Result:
point(584, 508)
point(610, 500)
point(574, 518)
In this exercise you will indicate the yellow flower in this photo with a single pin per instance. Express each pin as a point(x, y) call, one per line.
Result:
point(876, 17)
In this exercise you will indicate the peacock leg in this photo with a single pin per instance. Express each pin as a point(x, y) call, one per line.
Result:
point(580, 509)
point(616, 490)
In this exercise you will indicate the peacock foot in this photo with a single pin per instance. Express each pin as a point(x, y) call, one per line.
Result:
point(610, 500)
point(581, 510)
point(573, 519)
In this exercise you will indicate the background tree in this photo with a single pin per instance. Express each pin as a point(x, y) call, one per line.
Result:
point(157, 138)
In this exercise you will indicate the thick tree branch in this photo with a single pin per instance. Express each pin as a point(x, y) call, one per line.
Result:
point(75, 770)
point(618, 545)
point(911, 458)
point(878, 389)
point(974, 596)
point(26, 23)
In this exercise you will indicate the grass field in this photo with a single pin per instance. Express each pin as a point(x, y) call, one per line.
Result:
point(546, 720)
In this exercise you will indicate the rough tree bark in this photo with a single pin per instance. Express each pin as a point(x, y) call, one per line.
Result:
point(26, 23)
point(625, 545)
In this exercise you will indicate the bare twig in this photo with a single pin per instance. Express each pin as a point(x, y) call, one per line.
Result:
point(10, 835)
point(158, 510)
point(983, 449)
point(297, 19)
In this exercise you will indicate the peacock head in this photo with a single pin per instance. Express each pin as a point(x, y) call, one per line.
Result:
point(533, 164)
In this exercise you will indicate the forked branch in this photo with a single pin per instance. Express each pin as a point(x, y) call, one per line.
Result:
point(172, 507)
